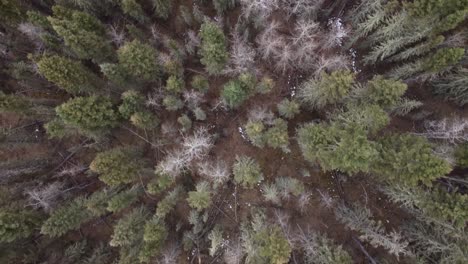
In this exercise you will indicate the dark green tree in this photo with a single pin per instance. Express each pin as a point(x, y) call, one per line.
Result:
point(83, 33)
point(15, 224)
point(88, 113)
point(138, 60)
point(162, 8)
point(117, 166)
point(213, 49)
point(67, 74)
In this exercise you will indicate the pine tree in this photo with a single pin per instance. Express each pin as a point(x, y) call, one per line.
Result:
point(335, 147)
point(92, 113)
point(117, 166)
point(201, 198)
point(134, 10)
point(82, 32)
point(129, 230)
point(213, 49)
point(409, 159)
point(162, 8)
point(328, 89)
point(453, 87)
point(384, 92)
point(132, 102)
point(155, 233)
point(123, 199)
point(288, 108)
point(247, 172)
point(68, 217)
point(68, 74)
point(167, 204)
point(16, 225)
point(321, 250)
point(138, 60)
point(10, 11)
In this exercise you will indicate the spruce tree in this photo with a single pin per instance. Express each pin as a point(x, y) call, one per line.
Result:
point(138, 60)
point(83, 33)
point(213, 49)
point(16, 224)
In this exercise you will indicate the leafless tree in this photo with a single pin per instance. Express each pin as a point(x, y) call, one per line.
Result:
point(154, 99)
point(170, 254)
point(193, 98)
point(451, 130)
point(218, 172)
point(196, 146)
point(192, 41)
point(326, 200)
point(242, 55)
point(335, 35)
point(173, 164)
point(331, 63)
point(234, 252)
point(307, 9)
point(261, 114)
point(117, 36)
point(303, 201)
point(258, 8)
point(72, 170)
point(33, 33)
point(45, 197)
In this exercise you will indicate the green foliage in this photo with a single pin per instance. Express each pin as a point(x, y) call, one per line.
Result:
point(247, 172)
point(272, 245)
point(443, 58)
point(56, 128)
point(328, 89)
point(370, 117)
point(185, 122)
point(216, 239)
point(288, 185)
point(130, 228)
point(162, 8)
point(16, 225)
point(96, 203)
point(68, 74)
point(155, 234)
point(447, 206)
point(442, 8)
point(346, 149)
point(288, 108)
point(134, 10)
point(37, 19)
point(66, 218)
point(114, 73)
point(201, 198)
point(123, 199)
point(255, 130)
point(13, 103)
point(132, 102)
point(200, 83)
point(83, 33)
point(384, 92)
point(175, 84)
point(117, 166)
point(410, 160)
point(92, 113)
point(265, 85)
point(159, 184)
point(277, 135)
point(144, 120)
point(461, 155)
point(138, 60)
point(213, 49)
point(172, 103)
point(168, 203)
point(174, 67)
point(10, 11)
point(234, 94)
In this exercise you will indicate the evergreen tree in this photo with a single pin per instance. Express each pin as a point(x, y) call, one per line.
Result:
point(172, 103)
point(277, 135)
point(201, 198)
point(288, 108)
point(117, 166)
point(384, 92)
point(162, 8)
point(321, 250)
point(247, 172)
point(175, 84)
point(138, 60)
point(155, 233)
point(13, 103)
point(16, 225)
point(123, 199)
point(167, 204)
point(68, 74)
point(134, 10)
point(132, 102)
point(144, 120)
point(443, 58)
point(83, 33)
point(92, 113)
point(370, 117)
point(66, 218)
point(10, 11)
point(129, 230)
point(453, 87)
point(346, 149)
point(410, 160)
point(200, 83)
point(213, 49)
point(328, 89)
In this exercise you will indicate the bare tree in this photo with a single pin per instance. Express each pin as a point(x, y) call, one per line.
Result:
point(326, 200)
point(33, 33)
point(197, 145)
point(306, 9)
point(242, 55)
point(170, 254)
point(258, 8)
point(45, 197)
point(217, 172)
point(173, 164)
point(261, 114)
point(451, 130)
point(192, 42)
point(193, 98)
point(233, 253)
point(117, 36)
point(303, 201)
